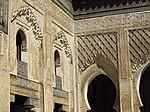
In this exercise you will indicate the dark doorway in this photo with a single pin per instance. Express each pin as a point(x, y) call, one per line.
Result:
point(145, 90)
point(58, 107)
point(21, 104)
point(101, 94)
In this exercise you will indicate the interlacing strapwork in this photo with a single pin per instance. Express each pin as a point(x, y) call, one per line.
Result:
point(89, 46)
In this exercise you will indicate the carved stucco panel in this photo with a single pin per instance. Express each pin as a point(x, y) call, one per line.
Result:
point(110, 22)
point(61, 38)
point(27, 12)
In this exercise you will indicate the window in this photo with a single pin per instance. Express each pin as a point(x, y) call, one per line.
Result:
point(57, 59)
point(4, 15)
point(21, 45)
point(21, 54)
point(58, 72)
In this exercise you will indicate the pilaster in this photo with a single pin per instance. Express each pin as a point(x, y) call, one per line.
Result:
point(124, 71)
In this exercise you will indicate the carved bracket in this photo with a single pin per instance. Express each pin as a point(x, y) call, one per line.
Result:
point(31, 19)
point(64, 42)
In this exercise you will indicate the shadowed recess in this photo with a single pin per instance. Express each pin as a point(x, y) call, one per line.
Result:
point(102, 94)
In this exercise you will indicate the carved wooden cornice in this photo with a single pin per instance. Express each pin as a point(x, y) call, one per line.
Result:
point(64, 42)
point(31, 19)
point(104, 10)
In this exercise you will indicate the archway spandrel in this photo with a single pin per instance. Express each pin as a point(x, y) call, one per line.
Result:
point(90, 46)
point(139, 47)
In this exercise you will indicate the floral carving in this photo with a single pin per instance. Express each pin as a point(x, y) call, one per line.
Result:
point(31, 19)
point(64, 42)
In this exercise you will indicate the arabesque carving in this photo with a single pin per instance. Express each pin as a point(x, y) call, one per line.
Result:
point(64, 42)
point(31, 19)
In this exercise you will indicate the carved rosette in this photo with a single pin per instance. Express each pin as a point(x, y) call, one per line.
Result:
point(31, 19)
point(64, 42)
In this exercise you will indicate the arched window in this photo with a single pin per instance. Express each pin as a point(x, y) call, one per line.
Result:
point(57, 59)
point(58, 72)
point(21, 45)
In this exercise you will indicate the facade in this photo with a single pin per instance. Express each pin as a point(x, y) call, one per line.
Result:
point(74, 56)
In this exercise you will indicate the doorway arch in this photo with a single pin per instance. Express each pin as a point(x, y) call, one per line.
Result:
point(102, 94)
point(144, 89)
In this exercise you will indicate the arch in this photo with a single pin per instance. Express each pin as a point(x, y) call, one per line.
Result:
point(101, 94)
point(86, 77)
point(138, 75)
point(144, 89)
point(21, 44)
point(31, 19)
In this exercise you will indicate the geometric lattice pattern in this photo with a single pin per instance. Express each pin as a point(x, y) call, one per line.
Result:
point(91, 45)
point(139, 47)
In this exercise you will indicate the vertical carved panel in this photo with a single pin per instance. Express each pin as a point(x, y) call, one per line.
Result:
point(126, 101)
point(22, 69)
point(58, 82)
point(123, 54)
